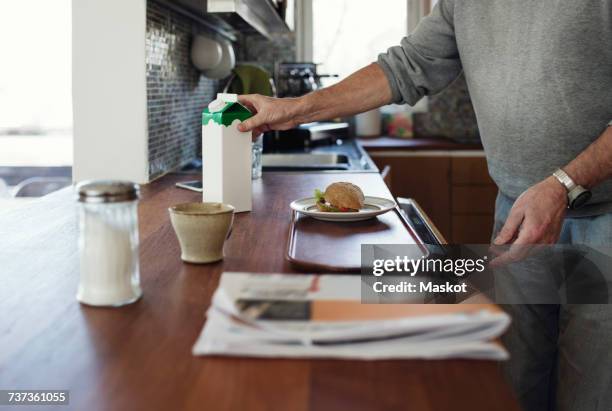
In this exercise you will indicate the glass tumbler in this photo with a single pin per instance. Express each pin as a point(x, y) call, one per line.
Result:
point(257, 158)
point(108, 243)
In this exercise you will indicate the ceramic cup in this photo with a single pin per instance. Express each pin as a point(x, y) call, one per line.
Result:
point(202, 229)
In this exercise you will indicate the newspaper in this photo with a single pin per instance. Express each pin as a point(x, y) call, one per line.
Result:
point(321, 316)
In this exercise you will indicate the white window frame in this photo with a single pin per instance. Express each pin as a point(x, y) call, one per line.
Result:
point(303, 30)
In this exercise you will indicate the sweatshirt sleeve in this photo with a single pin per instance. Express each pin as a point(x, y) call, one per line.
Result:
point(427, 60)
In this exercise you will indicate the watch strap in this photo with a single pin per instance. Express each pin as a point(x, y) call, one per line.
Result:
point(565, 180)
point(577, 196)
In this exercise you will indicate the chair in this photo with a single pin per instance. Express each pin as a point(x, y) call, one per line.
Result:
point(40, 186)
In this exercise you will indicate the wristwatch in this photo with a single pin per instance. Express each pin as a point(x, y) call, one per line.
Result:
point(577, 196)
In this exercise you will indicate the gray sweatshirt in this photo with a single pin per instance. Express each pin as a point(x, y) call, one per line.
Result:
point(539, 74)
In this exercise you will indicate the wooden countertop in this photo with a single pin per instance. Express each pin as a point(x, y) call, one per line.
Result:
point(139, 356)
point(394, 143)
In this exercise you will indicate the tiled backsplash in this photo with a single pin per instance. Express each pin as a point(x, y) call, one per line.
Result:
point(176, 91)
point(450, 115)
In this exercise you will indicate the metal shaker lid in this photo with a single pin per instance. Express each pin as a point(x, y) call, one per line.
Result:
point(107, 191)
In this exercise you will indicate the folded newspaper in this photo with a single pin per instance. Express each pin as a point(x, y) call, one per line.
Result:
point(321, 316)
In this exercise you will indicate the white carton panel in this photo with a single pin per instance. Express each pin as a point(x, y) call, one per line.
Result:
point(226, 168)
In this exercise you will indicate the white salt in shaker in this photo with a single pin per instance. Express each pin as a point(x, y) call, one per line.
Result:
point(108, 243)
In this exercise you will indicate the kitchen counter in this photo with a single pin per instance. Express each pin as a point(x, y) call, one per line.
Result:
point(394, 143)
point(139, 356)
point(358, 159)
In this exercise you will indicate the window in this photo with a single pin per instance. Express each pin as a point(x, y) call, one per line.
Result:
point(35, 97)
point(35, 83)
point(349, 34)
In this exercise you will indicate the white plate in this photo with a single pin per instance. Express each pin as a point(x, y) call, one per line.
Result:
point(372, 207)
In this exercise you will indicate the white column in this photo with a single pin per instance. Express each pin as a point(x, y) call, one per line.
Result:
point(303, 30)
point(109, 90)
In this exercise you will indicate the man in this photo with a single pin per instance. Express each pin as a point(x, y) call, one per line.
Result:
point(540, 77)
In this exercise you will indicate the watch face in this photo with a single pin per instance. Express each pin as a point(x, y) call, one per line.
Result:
point(581, 200)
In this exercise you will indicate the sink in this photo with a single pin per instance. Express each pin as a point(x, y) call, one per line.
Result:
point(305, 162)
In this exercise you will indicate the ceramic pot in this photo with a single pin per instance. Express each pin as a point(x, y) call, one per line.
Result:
point(202, 229)
point(206, 53)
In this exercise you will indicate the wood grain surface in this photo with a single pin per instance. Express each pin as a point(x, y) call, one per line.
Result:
point(139, 357)
point(391, 143)
point(336, 246)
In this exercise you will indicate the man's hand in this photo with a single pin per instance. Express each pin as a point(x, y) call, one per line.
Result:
point(535, 218)
point(363, 90)
point(270, 113)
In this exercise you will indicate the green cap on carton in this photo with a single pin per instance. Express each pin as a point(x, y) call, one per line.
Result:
point(226, 115)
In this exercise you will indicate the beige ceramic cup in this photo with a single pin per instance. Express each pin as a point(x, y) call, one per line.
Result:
point(202, 229)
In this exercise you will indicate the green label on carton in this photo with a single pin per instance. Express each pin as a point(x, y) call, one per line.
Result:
point(227, 115)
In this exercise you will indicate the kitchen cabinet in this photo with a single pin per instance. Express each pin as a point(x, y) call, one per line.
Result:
point(473, 195)
point(452, 185)
point(426, 180)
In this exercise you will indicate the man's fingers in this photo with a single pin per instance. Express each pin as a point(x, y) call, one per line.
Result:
point(249, 101)
point(510, 228)
point(518, 250)
point(256, 122)
point(251, 123)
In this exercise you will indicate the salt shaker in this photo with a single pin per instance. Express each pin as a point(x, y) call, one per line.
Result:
point(108, 243)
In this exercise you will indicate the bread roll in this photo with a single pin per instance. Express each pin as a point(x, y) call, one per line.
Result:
point(344, 195)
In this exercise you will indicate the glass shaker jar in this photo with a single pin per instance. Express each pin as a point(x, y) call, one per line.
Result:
point(257, 152)
point(108, 243)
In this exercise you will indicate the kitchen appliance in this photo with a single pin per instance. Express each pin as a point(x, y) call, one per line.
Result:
point(294, 79)
point(305, 136)
point(229, 18)
point(248, 15)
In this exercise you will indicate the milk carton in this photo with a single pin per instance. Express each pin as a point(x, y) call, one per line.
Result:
point(226, 153)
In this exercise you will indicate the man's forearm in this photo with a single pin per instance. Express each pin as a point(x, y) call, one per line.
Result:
point(594, 164)
point(363, 90)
